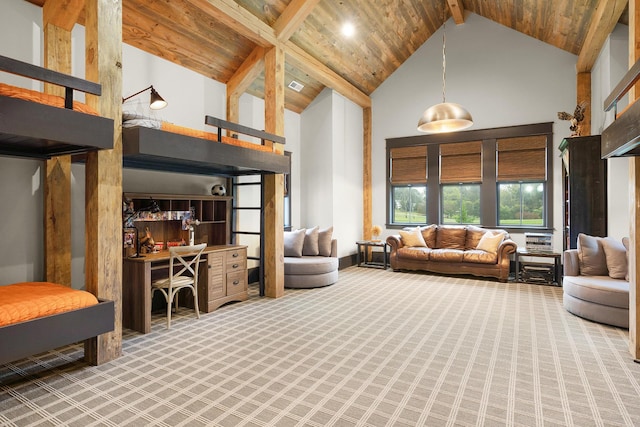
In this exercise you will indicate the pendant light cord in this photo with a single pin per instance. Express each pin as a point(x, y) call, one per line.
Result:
point(444, 58)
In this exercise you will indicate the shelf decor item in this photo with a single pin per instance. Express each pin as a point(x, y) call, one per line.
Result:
point(376, 230)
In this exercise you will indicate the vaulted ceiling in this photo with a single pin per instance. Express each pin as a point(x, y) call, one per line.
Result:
point(225, 39)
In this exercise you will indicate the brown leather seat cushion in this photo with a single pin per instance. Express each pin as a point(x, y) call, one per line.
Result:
point(414, 253)
point(449, 255)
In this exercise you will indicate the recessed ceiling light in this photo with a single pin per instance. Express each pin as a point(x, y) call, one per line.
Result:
point(348, 29)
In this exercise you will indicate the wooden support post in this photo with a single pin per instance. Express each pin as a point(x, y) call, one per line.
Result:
point(57, 182)
point(274, 184)
point(584, 95)
point(103, 200)
point(634, 179)
point(367, 210)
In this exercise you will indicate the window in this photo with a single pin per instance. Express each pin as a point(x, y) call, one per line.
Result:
point(408, 177)
point(523, 159)
point(498, 177)
point(461, 204)
point(460, 173)
point(409, 204)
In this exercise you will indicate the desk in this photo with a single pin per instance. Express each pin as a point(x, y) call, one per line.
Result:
point(222, 277)
point(553, 268)
point(363, 258)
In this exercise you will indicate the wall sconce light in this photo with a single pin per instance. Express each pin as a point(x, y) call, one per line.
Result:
point(155, 103)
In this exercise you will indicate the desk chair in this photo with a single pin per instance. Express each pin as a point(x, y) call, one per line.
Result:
point(186, 277)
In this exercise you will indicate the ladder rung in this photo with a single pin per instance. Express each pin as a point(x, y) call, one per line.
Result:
point(254, 233)
point(254, 258)
point(247, 208)
point(239, 184)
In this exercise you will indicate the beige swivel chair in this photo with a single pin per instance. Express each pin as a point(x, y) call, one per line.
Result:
point(185, 277)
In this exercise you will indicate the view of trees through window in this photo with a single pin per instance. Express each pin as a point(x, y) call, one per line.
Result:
point(461, 204)
point(521, 204)
point(410, 204)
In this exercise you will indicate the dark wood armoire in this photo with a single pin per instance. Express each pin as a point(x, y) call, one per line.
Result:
point(584, 188)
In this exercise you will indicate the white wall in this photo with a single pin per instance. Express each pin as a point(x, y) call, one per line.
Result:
point(501, 76)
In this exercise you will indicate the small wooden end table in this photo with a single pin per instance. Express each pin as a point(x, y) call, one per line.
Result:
point(363, 258)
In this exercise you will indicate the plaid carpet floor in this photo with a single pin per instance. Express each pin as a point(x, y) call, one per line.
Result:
point(377, 349)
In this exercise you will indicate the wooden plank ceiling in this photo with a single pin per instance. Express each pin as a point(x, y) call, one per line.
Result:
point(215, 37)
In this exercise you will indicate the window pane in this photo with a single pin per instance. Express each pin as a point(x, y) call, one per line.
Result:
point(461, 204)
point(521, 204)
point(409, 204)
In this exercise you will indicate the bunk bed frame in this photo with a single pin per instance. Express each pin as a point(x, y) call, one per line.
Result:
point(153, 149)
point(622, 137)
point(33, 130)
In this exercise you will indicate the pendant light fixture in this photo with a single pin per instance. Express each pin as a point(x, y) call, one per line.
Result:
point(447, 116)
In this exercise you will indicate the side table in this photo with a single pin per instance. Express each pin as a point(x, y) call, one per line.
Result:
point(536, 272)
point(363, 258)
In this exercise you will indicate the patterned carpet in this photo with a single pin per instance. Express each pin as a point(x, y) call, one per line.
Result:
point(377, 349)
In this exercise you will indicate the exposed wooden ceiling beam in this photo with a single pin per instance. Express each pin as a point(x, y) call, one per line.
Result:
point(62, 13)
point(234, 16)
point(317, 70)
point(294, 14)
point(247, 73)
point(604, 20)
point(457, 11)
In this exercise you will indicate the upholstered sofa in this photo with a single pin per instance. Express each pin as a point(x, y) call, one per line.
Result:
point(595, 284)
point(453, 249)
point(310, 258)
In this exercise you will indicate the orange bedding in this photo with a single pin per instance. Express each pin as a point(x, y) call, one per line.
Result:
point(42, 98)
point(170, 127)
point(29, 300)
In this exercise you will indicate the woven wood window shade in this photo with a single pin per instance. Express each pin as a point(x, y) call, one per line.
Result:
point(522, 158)
point(409, 165)
point(461, 162)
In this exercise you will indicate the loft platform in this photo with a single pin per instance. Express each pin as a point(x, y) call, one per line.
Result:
point(35, 130)
point(155, 149)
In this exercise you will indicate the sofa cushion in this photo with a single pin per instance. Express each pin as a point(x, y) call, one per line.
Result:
point(310, 245)
point(451, 237)
point(474, 234)
point(418, 254)
point(601, 290)
point(616, 257)
point(412, 238)
point(325, 235)
point(293, 242)
point(480, 256)
point(591, 256)
point(429, 235)
point(310, 265)
point(490, 242)
point(448, 255)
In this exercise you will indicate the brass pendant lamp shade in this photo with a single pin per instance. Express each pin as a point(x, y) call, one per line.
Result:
point(447, 116)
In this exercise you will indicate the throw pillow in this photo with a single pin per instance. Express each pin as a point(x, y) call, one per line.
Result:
point(490, 242)
point(413, 238)
point(616, 257)
point(310, 246)
point(325, 236)
point(591, 256)
point(293, 242)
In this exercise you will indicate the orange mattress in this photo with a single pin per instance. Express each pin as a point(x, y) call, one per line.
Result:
point(29, 300)
point(42, 98)
point(170, 127)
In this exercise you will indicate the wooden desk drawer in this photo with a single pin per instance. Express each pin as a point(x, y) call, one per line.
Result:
point(236, 260)
point(236, 282)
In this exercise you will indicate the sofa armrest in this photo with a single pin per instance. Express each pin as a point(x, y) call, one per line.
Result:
point(570, 263)
point(506, 248)
point(395, 242)
point(334, 248)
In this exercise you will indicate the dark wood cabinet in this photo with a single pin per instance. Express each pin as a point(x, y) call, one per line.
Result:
point(584, 188)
